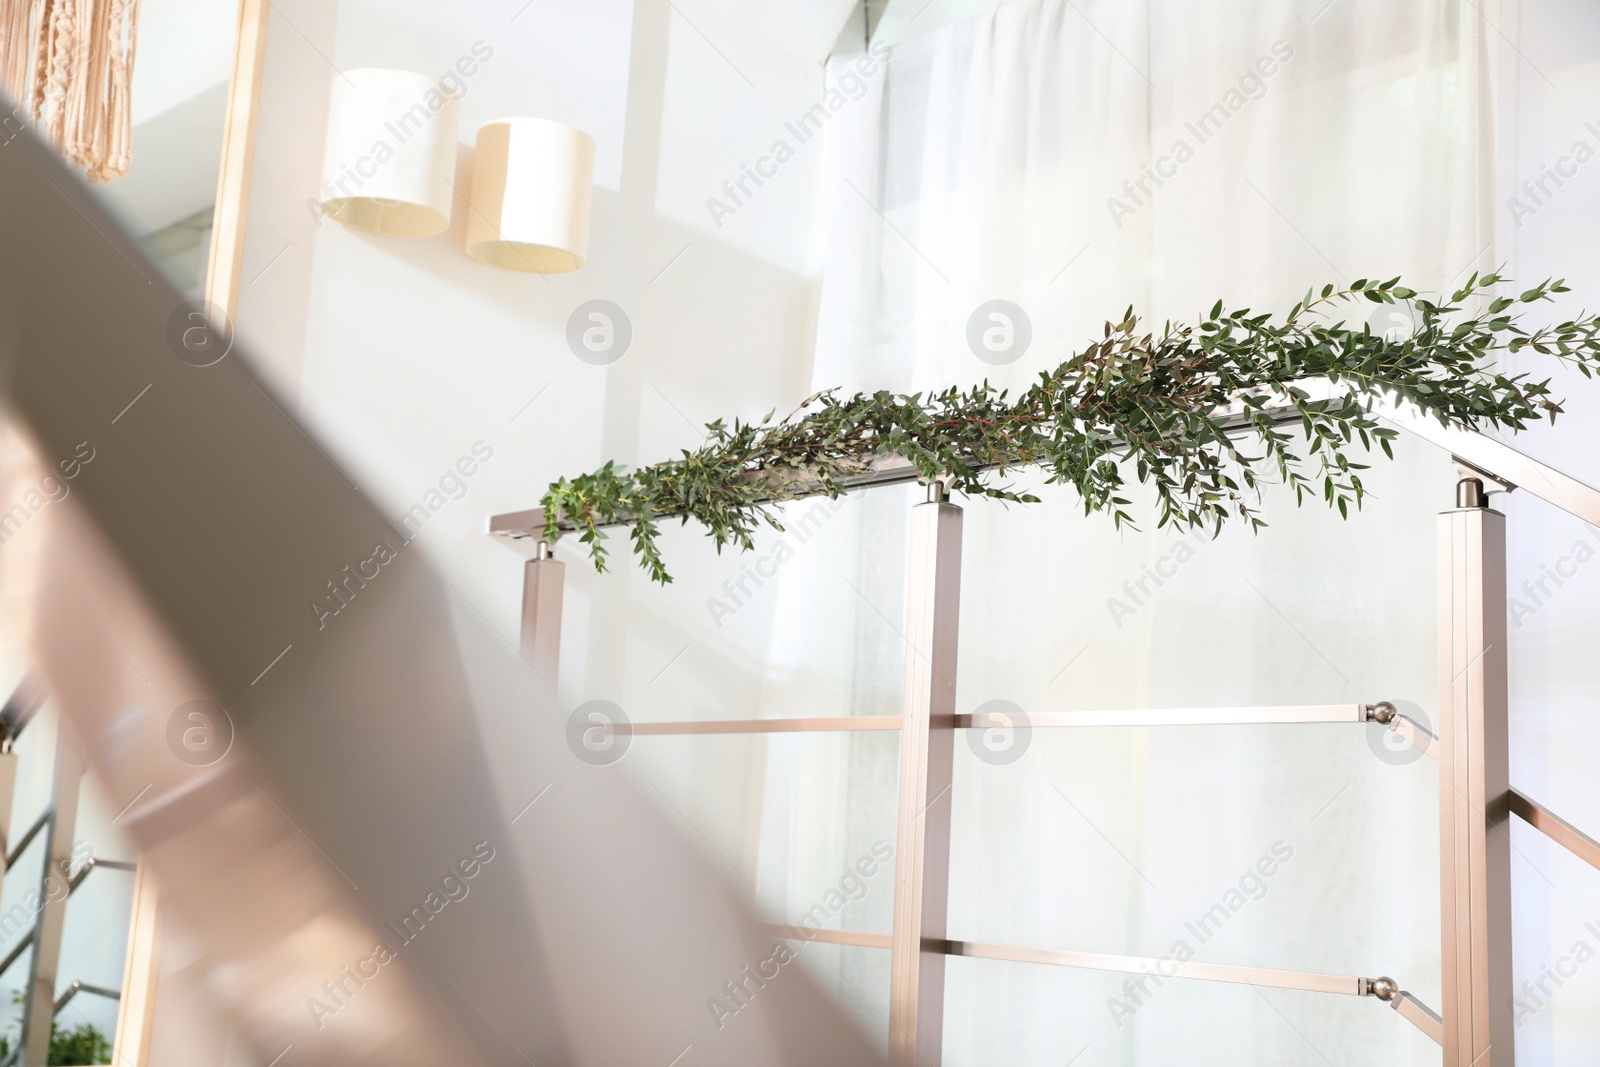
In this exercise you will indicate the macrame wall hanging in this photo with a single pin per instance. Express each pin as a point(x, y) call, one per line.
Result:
point(67, 67)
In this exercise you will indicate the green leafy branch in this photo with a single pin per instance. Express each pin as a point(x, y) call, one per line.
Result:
point(1194, 411)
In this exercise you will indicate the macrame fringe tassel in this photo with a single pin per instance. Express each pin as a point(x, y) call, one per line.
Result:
point(67, 65)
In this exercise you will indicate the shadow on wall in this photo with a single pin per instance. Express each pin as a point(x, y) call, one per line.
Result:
point(746, 324)
point(741, 297)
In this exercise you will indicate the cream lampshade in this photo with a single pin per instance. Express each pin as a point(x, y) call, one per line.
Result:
point(391, 152)
point(531, 184)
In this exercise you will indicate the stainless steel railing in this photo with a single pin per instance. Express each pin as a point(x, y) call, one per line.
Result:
point(1471, 748)
point(1493, 459)
point(57, 824)
point(55, 1009)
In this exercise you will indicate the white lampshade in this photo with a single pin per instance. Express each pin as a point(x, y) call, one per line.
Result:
point(531, 187)
point(391, 152)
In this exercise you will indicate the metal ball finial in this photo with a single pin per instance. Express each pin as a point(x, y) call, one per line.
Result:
point(1384, 712)
point(1385, 988)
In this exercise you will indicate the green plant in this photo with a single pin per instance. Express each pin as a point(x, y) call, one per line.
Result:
point(82, 1045)
point(1185, 408)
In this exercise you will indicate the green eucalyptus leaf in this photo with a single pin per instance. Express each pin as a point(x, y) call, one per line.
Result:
point(1183, 411)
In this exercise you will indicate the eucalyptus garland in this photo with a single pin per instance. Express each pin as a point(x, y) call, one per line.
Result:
point(1195, 412)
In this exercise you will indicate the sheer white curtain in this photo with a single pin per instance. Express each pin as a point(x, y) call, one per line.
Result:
point(1073, 158)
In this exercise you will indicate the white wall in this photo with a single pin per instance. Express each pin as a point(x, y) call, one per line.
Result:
point(403, 353)
point(1551, 104)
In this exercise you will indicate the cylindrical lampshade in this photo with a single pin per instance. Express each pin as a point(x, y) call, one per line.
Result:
point(391, 152)
point(531, 186)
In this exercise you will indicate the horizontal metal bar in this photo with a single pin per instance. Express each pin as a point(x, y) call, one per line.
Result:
point(1556, 828)
point(1419, 1015)
point(84, 987)
point(1409, 1007)
point(830, 724)
point(832, 937)
point(1243, 716)
point(1164, 968)
point(27, 839)
point(1306, 713)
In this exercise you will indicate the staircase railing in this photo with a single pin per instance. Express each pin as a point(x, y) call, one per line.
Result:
point(40, 1005)
point(1474, 1025)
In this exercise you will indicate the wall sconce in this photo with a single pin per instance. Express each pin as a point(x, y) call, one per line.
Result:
point(531, 188)
point(391, 152)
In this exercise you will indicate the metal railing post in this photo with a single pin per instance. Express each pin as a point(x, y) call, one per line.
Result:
point(1474, 784)
point(54, 888)
point(922, 855)
point(8, 790)
point(543, 578)
point(14, 718)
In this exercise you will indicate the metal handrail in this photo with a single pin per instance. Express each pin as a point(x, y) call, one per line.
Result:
point(530, 525)
point(514, 526)
point(1495, 459)
point(1502, 463)
point(1480, 456)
